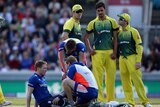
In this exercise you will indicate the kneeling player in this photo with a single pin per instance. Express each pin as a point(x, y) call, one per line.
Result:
point(80, 82)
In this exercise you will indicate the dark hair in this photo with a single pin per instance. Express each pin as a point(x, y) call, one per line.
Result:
point(70, 45)
point(39, 64)
point(71, 59)
point(100, 4)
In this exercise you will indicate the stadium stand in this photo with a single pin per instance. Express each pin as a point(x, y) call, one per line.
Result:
point(33, 31)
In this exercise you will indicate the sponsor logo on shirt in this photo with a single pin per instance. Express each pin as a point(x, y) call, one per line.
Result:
point(104, 31)
point(43, 85)
point(124, 42)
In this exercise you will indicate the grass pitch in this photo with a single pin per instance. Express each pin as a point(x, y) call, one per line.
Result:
point(21, 102)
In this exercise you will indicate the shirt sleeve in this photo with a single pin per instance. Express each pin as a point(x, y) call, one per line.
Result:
point(90, 27)
point(138, 43)
point(32, 82)
point(71, 72)
point(114, 24)
point(81, 47)
point(68, 26)
point(61, 46)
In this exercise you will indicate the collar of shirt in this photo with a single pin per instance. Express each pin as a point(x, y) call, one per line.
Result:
point(127, 27)
point(79, 63)
point(106, 17)
point(75, 20)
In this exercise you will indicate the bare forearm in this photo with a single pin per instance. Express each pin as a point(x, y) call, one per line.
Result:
point(35, 104)
point(82, 58)
point(86, 40)
point(61, 59)
point(28, 100)
point(115, 43)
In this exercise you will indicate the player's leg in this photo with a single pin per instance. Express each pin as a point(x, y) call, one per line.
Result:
point(68, 86)
point(1, 96)
point(2, 99)
point(85, 94)
point(110, 66)
point(49, 101)
point(136, 76)
point(98, 72)
point(126, 80)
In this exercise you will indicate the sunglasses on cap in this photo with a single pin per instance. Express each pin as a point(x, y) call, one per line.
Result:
point(121, 19)
point(79, 11)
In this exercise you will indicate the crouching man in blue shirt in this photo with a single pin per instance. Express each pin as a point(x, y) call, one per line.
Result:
point(37, 85)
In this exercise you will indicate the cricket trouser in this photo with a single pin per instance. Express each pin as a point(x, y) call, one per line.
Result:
point(1, 96)
point(102, 64)
point(128, 74)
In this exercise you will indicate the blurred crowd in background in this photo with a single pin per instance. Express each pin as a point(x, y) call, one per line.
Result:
point(33, 31)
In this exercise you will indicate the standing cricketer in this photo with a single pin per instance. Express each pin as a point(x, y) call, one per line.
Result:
point(104, 50)
point(130, 50)
point(72, 28)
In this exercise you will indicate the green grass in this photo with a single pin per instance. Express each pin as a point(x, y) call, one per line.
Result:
point(18, 101)
point(22, 101)
point(153, 101)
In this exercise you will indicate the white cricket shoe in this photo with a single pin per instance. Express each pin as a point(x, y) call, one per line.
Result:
point(6, 103)
point(148, 105)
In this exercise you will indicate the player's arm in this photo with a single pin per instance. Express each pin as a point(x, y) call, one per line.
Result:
point(139, 48)
point(35, 104)
point(82, 52)
point(87, 35)
point(62, 61)
point(68, 26)
point(115, 33)
point(29, 95)
point(115, 44)
point(82, 57)
point(65, 35)
point(138, 43)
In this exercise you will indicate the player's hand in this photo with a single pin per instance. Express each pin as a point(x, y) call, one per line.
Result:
point(138, 65)
point(56, 100)
point(113, 56)
point(64, 76)
point(92, 52)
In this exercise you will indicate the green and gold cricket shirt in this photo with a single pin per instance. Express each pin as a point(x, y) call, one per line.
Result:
point(73, 28)
point(103, 32)
point(129, 43)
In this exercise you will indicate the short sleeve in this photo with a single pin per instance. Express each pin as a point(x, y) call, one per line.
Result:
point(61, 47)
point(71, 72)
point(114, 24)
point(32, 82)
point(68, 26)
point(81, 47)
point(90, 27)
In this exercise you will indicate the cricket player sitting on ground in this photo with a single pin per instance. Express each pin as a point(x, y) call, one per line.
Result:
point(37, 85)
point(71, 46)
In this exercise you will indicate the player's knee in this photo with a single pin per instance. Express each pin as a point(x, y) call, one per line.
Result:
point(65, 82)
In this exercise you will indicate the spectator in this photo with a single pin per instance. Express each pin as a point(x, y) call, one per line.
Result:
point(26, 61)
point(152, 61)
point(15, 58)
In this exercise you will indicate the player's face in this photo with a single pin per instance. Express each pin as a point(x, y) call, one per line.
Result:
point(43, 70)
point(70, 51)
point(67, 65)
point(78, 14)
point(101, 12)
point(122, 21)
